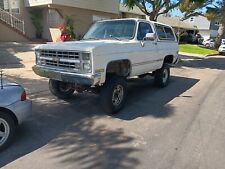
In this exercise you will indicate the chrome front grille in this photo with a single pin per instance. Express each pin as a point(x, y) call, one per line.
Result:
point(60, 59)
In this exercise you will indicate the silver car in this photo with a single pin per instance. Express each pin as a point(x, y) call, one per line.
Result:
point(14, 108)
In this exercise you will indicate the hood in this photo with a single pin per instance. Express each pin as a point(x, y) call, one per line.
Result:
point(83, 45)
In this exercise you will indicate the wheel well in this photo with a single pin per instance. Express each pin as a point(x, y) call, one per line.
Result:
point(2, 109)
point(119, 67)
point(168, 59)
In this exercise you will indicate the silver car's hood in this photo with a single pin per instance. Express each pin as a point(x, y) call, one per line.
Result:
point(10, 93)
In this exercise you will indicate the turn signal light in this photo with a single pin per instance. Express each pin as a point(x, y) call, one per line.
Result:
point(24, 96)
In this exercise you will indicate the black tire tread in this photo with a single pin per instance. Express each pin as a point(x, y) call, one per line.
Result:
point(54, 89)
point(12, 124)
point(159, 76)
point(106, 94)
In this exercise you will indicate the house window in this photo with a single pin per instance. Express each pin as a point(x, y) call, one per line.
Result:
point(217, 23)
point(12, 6)
point(15, 6)
point(1, 4)
point(191, 19)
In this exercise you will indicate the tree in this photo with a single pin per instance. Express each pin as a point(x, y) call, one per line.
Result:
point(37, 20)
point(155, 8)
point(191, 8)
point(217, 12)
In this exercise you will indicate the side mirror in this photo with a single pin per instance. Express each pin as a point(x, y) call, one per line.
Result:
point(150, 36)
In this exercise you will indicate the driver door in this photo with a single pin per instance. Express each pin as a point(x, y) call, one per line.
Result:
point(146, 51)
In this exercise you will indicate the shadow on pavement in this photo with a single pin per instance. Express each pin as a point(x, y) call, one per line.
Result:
point(146, 100)
point(9, 52)
point(215, 62)
point(69, 132)
point(68, 129)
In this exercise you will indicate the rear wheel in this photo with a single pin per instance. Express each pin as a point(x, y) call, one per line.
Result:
point(162, 76)
point(7, 130)
point(113, 94)
point(61, 89)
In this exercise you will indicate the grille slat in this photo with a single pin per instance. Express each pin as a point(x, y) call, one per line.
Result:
point(61, 59)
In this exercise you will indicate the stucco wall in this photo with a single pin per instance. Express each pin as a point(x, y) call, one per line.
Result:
point(201, 22)
point(110, 6)
point(8, 35)
point(83, 19)
point(25, 15)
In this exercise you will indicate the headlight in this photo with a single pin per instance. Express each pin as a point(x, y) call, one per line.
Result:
point(86, 59)
point(38, 54)
point(85, 56)
point(87, 67)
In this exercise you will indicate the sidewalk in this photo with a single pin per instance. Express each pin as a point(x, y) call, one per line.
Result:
point(196, 55)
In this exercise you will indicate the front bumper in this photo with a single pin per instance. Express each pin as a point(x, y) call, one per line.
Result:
point(21, 109)
point(81, 79)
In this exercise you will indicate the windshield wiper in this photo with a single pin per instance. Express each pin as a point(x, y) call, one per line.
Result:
point(112, 37)
point(91, 39)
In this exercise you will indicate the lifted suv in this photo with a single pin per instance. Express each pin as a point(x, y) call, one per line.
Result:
point(110, 52)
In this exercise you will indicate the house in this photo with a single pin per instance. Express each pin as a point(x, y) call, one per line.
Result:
point(177, 24)
point(15, 17)
point(208, 29)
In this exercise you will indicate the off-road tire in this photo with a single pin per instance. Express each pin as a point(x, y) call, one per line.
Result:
point(160, 79)
point(108, 92)
point(55, 89)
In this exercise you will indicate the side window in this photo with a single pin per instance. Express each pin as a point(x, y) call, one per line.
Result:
point(143, 29)
point(169, 33)
point(160, 32)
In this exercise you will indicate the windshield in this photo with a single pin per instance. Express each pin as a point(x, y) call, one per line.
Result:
point(117, 29)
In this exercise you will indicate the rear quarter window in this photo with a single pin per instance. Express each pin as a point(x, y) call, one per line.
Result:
point(164, 32)
point(169, 33)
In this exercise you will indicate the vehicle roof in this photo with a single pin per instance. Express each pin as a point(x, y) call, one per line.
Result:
point(137, 20)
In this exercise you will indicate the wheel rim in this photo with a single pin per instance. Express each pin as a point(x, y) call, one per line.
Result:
point(165, 75)
point(4, 131)
point(118, 94)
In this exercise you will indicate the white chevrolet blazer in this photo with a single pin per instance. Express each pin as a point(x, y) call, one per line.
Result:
point(110, 52)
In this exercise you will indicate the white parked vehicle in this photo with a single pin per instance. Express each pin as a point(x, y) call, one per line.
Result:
point(209, 43)
point(14, 108)
point(222, 47)
point(111, 52)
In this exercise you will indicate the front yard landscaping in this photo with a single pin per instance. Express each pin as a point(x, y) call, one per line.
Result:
point(196, 49)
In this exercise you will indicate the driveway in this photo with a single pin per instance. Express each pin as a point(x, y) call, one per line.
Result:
point(178, 127)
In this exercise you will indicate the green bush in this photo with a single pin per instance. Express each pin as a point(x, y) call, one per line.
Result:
point(37, 20)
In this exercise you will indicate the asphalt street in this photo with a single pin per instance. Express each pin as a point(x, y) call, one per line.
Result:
point(181, 126)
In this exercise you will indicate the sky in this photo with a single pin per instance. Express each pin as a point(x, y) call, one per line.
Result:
point(176, 12)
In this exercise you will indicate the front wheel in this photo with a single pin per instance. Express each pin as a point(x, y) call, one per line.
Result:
point(7, 130)
point(162, 76)
point(61, 90)
point(113, 94)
